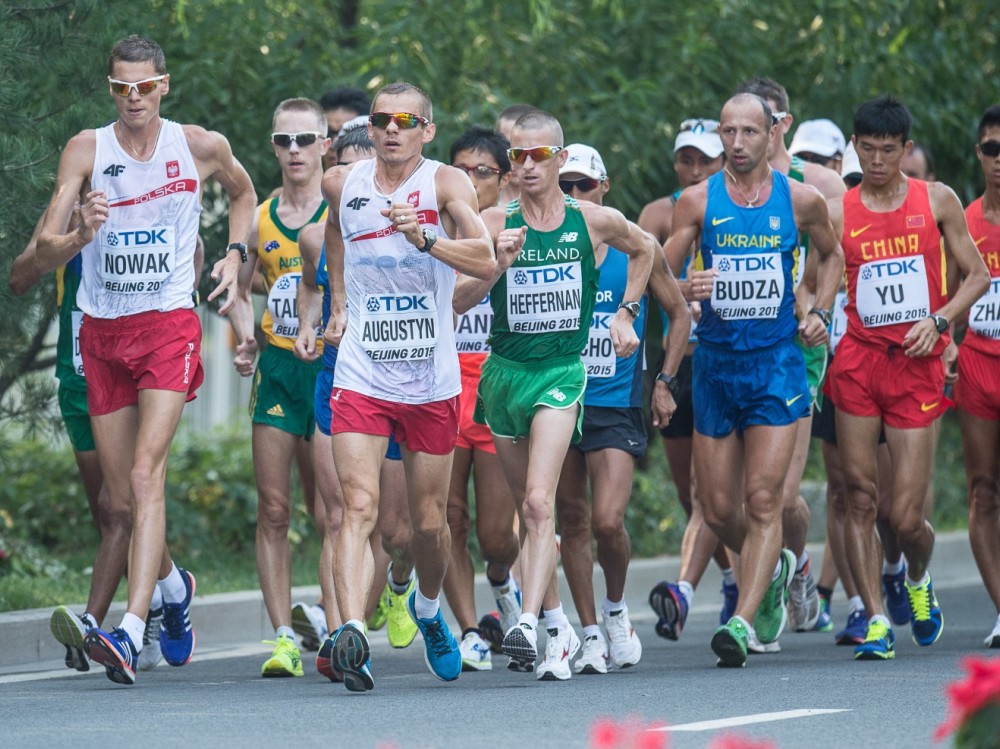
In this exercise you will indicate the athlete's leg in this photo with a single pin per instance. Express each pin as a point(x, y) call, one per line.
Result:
point(394, 524)
point(912, 453)
point(611, 474)
point(328, 487)
point(836, 518)
point(427, 478)
point(890, 546)
point(459, 582)
point(304, 461)
point(981, 446)
point(795, 511)
point(495, 514)
point(575, 523)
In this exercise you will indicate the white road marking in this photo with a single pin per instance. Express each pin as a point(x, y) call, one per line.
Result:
point(745, 720)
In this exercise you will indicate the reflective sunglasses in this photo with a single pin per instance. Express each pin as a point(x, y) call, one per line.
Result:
point(143, 87)
point(537, 153)
point(403, 120)
point(778, 116)
point(285, 140)
point(583, 184)
point(480, 172)
point(990, 148)
point(699, 126)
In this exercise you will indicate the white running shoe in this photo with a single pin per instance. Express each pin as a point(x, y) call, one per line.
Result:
point(151, 654)
point(309, 623)
point(475, 653)
point(521, 644)
point(804, 606)
point(508, 598)
point(626, 650)
point(993, 640)
point(594, 658)
point(563, 644)
point(756, 646)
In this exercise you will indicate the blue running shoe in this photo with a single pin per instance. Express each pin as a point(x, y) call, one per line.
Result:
point(926, 620)
point(177, 638)
point(114, 651)
point(441, 652)
point(855, 631)
point(671, 607)
point(825, 621)
point(879, 643)
point(730, 595)
point(352, 658)
point(897, 604)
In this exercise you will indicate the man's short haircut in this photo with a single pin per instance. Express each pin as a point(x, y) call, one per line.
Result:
point(137, 48)
point(536, 119)
point(747, 98)
point(928, 156)
point(355, 135)
point(991, 118)
point(767, 89)
point(515, 112)
point(401, 88)
point(301, 105)
point(883, 116)
point(346, 97)
point(479, 138)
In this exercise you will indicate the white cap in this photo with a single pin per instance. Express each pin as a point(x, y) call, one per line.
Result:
point(821, 137)
point(700, 134)
point(584, 160)
point(849, 163)
point(360, 121)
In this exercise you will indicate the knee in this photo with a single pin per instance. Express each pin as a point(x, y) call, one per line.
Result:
point(113, 517)
point(909, 521)
point(537, 509)
point(574, 519)
point(763, 506)
point(984, 498)
point(608, 527)
point(429, 523)
point(459, 521)
point(273, 512)
point(146, 484)
point(717, 512)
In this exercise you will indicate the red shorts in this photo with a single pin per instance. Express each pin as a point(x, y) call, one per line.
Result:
point(977, 390)
point(471, 436)
point(871, 380)
point(424, 428)
point(145, 351)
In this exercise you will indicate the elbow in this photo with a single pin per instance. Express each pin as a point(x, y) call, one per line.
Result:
point(17, 285)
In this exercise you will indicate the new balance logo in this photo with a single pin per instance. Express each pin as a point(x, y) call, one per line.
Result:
point(568, 236)
point(558, 394)
point(114, 170)
point(276, 410)
point(357, 203)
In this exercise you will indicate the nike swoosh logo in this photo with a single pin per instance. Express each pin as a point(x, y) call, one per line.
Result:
point(929, 406)
point(717, 221)
point(632, 443)
point(980, 241)
point(859, 232)
point(790, 401)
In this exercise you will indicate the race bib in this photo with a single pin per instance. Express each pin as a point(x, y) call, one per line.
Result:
point(545, 299)
point(77, 355)
point(984, 316)
point(599, 355)
point(474, 328)
point(892, 291)
point(137, 261)
point(749, 287)
point(399, 327)
point(283, 305)
point(838, 324)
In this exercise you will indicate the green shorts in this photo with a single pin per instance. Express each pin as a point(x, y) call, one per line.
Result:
point(510, 393)
point(816, 357)
point(283, 392)
point(76, 417)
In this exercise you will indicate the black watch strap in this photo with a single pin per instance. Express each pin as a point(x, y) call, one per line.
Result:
point(823, 314)
point(241, 248)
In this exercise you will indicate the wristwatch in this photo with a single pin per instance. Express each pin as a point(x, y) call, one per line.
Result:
point(823, 314)
point(670, 381)
point(940, 322)
point(242, 250)
point(430, 237)
point(633, 308)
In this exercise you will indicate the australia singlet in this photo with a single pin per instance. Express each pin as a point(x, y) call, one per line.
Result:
point(400, 339)
point(281, 267)
point(543, 304)
point(754, 250)
point(69, 362)
point(984, 316)
point(894, 268)
point(142, 257)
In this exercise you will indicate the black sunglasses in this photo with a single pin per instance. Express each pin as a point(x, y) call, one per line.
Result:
point(990, 148)
point(584, 184)
point(285, 140)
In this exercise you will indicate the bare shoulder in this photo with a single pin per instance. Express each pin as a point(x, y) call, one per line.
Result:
point(942, 198)
point(495, 218)
point(806, 196)
point(333, 184)
point(827, 181)
point(205, 145)
point(81, 149)
point(656, 216)
point(311, 240)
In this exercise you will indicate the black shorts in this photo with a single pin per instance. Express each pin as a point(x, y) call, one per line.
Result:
point(620, 428)
point(682, 422)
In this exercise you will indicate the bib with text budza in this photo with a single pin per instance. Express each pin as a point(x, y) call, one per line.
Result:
point(749, 287)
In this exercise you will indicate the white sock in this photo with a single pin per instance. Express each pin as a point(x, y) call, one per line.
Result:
point(530, 619)
point(285, 632)
point(777, 569)
point(172, 586)
point(593, 630)
point(687, 590)
point(922, 581)
point(555, 618)
point(893, 568)
point(90, 620)
point(745, 623)
point(424, 607)
point(156, 602)
point(358, 625)
point(610, 606)
point(880, 618)
point(728, 578)
point(854, 603)
point(135, 627)
point(802, 561)
point(396, 587)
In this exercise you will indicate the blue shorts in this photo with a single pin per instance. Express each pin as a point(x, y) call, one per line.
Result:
point(740, 389)
point(324, 415)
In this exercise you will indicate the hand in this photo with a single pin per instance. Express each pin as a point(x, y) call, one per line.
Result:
point(509, 244)
point(406, 220)
point(662, 404)
point(91, 215)
point(623, 336)
point(335, 327)
point(305, 345)
point(701, 283)
point(812, 331)
point(227, 272)
point(246, 354)
point(950, 361)
point(920, 338)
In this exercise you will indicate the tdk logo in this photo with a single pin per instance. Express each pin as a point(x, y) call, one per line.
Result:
point(138, 238)
point(397, 303)
point(895, 268)
point(550, 275)
point(746, 264)
point(601, 322)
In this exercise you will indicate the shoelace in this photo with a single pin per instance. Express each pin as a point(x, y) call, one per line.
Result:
point(877, 631)
point(174, 620)
point(920, 600)
point(436, 639)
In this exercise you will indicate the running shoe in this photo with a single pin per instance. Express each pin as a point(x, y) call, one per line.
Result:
point(381, 613)
point(352, 658)
point(825, 621)
point(563, 644)
point(441, 652)
point(400, 626)
point(594, 659)
point(177, 639)
point(879, 643)
point(993, 639)
point(521, 644)
point(492, 632)
point(897, 604)
point(309, 623)
point(855, 631)
point(508, 598)
point(151, 655)
point(286, 660)
point(626, 650)
point(926, 619)
point(772, 614)
point(324, 661)
point(115, 651)
point(804, 606)
point(475, 652)
point(730, 596)
point(759, 648)
point(70, 631)
point(730, 643)
point(670, 607)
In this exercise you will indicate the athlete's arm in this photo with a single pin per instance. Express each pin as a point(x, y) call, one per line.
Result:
point(668, 295)
point(827, 181)
point(813, 218)
point(240, 313)
point(655, 218)
point(333, 187)
point(688, 214)
point(470, 291)
point(471, 252)
point(309, 297)
point(26, 270)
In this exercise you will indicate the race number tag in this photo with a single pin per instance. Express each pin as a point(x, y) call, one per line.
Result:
point(599, 355)
point(77, 355)
point(474, 328)
point(749, 287)
point(984, 317)
point(283, 305)
point(546, 299)
point(892, 291)
point(399, 327)
point(137, 261)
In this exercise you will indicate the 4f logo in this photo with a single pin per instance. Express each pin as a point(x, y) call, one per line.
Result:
point(357, 203)
point(568, 236)
point(114, 170)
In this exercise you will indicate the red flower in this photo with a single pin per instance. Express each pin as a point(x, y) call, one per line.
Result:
point(607, 733)
point(981, 688)
point(737, 741)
